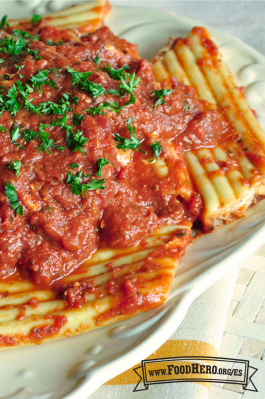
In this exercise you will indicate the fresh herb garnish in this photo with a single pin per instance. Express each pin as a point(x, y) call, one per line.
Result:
point(127, 86)
point(51, 43)
point(156, 147)
point(159, 96)
point(133, 143)
point(16, 165)
point(78, 188)
point(22, 33)
point(11, 102)
point(75, 141)
point(1, 61)
point(186, 106)
point(36, 18)
point(11, 46)
point(2, 129)
point(114, 73)
point(107, 106)
point(40, 78)
point(47, 142)
point(19, 67)
point(101, 162)
point(97, 61)
point(73, 165)
point(77, 119)
point(11, 193)
point(80, 79)
point(35, 54)
point(61, 108)
point(4, 23)
point(15, 135)
point(30, 135)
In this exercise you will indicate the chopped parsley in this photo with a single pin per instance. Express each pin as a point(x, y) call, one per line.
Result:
point(61, 108)
point(11, 193)
point(101, 162)
point(114, 73)
point(11, 46)
point(40, 78)
point(46, 141)
point(75, 141)
point(2, 129)
point(77, 119)
point(30, 135)
point(16, 165)
point(186, 106)
point(4, 23)
point(21, 33)
point(73, 165)
point(80, 79)
point(156, 147)
point(15, 135)
point(159, 96)
point(132, 143)
point(127, 86)
point(19, 67)
point(106, 105)
point(11, 101)
point(36, 18)
point(51, 43)
point(35, 54)
point(79, 188)
point(97, 61)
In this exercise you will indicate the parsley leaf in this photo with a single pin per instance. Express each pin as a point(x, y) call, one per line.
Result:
point(19, 67)
point(2, 129)
point(97, 61)
point(78, 76)
point(114, 73)
point(11, 46)
point(61, 108)
point(17, 32)
point(11, 193)
point(51, 43)
point(106, 105)
point(30, 135)
point(128, 87)
point(16, 165)
point(159, 96)
point(34, 53)
point(75, 141)
point(156, 147)
point(133, 143)
point(73, 165)
point(36, 18)
point(11, 101)
point(40, 78)
point(80, 79)
point(1, 61)
point(47, 142)
point(15, 135)
point(4, 23)
point(101, 162)
point(78, 188)
point(77, 119)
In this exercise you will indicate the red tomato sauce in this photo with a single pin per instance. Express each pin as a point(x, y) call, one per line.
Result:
point(61, 227)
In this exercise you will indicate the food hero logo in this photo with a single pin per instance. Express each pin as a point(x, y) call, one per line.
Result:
point(195, 369)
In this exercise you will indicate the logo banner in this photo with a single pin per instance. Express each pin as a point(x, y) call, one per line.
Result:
point(195, 369)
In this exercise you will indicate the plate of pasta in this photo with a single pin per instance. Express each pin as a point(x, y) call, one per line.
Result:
point(132, 179)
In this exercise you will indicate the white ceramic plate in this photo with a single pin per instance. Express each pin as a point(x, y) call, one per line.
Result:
point(75, 367)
